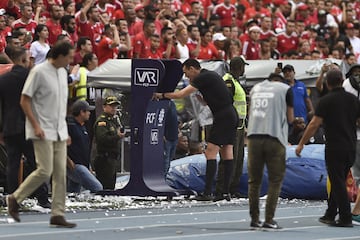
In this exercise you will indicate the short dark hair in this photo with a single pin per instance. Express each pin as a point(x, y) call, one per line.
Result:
point(61, 37)
point(82, 41)
point(190, 27)
point(65, 20)
point(164, 30)
point(347, 56)
point(90, 10)
point(61, 48)
point(17, 53)
point(276, 77)
point(190, 62)
point(334, 78)
point(86, 59)
point(147, 22)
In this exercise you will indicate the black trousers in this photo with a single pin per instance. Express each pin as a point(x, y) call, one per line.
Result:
point(105, 168)
point(338, 164)
point(16, 146)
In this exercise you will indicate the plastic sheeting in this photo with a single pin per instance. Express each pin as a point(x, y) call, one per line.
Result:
point(116, 73)
point(305, 176)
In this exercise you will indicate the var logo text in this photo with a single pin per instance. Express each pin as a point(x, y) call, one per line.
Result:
point(146, 77)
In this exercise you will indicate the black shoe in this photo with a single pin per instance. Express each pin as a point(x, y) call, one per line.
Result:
point(46, 204)
point(60, 222)
point(255, 225)
point(237, 195)
point(327, 220)
point(204, 197)
point(222, 196)
point(339, 223)
point(273, 225)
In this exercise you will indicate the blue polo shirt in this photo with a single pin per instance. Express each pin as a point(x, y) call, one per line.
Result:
point(79, 150)
point(300, 96)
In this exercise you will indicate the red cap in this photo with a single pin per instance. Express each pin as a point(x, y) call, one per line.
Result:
point(302, 7)
point(138, 7)
point(349, 26)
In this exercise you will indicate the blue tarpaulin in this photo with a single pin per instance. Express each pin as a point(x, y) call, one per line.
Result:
point(305, 176)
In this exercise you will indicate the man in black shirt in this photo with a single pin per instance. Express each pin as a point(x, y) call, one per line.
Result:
point(78, 152)
point(16, 145)
point(338, 112)
point(215, 94)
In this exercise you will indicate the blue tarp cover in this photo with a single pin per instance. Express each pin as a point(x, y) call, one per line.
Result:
point(305, 176)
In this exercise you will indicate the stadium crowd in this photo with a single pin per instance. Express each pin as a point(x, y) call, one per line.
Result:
point(202, 29)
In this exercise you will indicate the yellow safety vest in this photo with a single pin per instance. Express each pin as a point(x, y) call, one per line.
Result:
point(239, 96)
point(80, 87)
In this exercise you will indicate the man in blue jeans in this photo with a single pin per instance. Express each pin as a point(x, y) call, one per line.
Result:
point(78, 159)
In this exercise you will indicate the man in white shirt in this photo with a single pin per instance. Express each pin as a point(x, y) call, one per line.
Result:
point(44, 101)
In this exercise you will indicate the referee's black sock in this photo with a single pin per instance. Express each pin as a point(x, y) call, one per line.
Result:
point(228, 170)
point(210, 173)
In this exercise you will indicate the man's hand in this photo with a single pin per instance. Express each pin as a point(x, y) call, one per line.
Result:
point(157, 96)
point(70, 164)
point(113, 27)
point(325, 67)
point(277, 70)
point(120, 134)
point(39, 133)
point(298, 150)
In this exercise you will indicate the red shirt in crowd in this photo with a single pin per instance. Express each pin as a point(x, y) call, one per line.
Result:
point(138, 27)
point(109, 9)
point(54, 31)
point(141, 45)
point(205, 4)
point(55, 2)
point(155, 54)
point(251, 50)
point(266, 35)
point(244, 37)
point(163, 47)
point(4, 3)
point(307, 21)
point(30, 26)
point(73, 37)
point(94, 32)
point(208, 52)
point(191, 44)
point(251, 13)
point(2, 43)
point(77, 58)
point(104, 50)
point(14, 10)
point(225, 12)
point(119, 14)
point(287, 43)
point(186, 8)
point(280, 22)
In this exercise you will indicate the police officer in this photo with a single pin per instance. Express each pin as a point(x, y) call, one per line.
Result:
point(107, 137)
point(237, 69)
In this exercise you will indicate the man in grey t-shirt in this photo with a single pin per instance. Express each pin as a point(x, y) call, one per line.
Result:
point(271, 110)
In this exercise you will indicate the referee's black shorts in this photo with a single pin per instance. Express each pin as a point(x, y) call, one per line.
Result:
point(223, 130)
